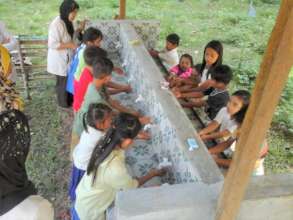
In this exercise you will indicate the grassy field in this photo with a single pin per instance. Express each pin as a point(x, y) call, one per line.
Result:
point(197, 22)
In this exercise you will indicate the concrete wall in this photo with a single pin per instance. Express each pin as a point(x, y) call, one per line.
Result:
point(148, 31)
point(268, 198)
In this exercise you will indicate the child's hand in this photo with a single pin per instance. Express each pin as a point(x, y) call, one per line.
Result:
point(158, 172)
point(119, 71)
point(204, 137)
point(128, 89)
point(200, 133)
point(144, 135)
point(177, 94)
point(154, 53)
point(145, 120)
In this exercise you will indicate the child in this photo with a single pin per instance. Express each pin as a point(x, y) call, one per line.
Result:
point(91, 37)
point(213, 56)
point(218, 95)
point(92, 54)
point(224, 125)
point(182, 71)
point(97, 93)
point(106, 172)
point(168, 56)
point(95, 122)
point(227, 148)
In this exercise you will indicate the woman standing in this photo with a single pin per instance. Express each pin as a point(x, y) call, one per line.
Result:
point(18, 196)
point(61, 47)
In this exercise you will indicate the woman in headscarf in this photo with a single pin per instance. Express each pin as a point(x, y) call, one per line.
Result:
point(61, 47)
point(18, 196)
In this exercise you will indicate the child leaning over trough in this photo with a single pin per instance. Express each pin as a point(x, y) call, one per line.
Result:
point(217, 96)
point(224, 124)
point(106, 173)
point(97, 93)
point(95, 122)
point(224, 151)
point(169, 55)
point(91, 55)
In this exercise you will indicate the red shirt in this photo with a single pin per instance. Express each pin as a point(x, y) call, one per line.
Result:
point(80, 88)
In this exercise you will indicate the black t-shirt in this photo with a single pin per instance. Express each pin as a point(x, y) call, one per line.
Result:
point(217, 99)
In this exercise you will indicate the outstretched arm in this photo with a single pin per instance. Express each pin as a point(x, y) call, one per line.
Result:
point(210, 128)
point(221, 147)
point(154, 172)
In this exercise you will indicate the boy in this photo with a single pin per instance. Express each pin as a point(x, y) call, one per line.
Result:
point(98, 93)
point(218, 95)
point(92, 54)
point(91, 37)
point(168, 56)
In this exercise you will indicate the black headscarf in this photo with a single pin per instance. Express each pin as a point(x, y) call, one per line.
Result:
point(65, 9)
point(14, 147)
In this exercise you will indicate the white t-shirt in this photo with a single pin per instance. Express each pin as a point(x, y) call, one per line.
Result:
point(259, 168)
point(204, 75)
point(169, 58)
point(83, 151)
point(225, 121)
point(58, 60)
point(32, 208)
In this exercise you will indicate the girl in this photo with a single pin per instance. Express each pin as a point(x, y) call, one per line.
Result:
point(213, 57)
point(91, 37)
point(182, 71)
point(224, 151)
point(226, 119)
point(18, 195)
point(96, 121)
point(60, 48)
point(106, 172)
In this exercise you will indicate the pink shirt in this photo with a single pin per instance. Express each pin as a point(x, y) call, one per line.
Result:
point(177, 71)
point(80, 88)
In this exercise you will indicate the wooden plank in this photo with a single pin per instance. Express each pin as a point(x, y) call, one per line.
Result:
point(274, 71)
point(122, 13)
point(33, 42)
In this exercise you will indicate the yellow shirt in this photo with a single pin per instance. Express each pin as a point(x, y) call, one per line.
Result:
point(112, 176)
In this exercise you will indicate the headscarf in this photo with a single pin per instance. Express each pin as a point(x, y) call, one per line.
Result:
point(14, 147)
point(9, 97)
point(5, 61)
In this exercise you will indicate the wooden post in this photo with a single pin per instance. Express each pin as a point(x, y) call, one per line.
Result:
point(274, 71)
point(23, 71)
point(122, 13)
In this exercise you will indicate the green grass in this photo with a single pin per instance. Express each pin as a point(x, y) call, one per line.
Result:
point(197, 22)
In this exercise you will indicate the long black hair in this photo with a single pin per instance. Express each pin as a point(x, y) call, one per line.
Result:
point(124, 126)
point(65, 9)
point(244, 95)
point(218, 47)
point(96, 113)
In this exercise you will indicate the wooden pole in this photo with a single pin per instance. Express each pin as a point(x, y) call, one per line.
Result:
point(274, 71)
point(122, 13)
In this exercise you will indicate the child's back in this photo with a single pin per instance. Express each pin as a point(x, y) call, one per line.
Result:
point(218, 96)
point(217, 99)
